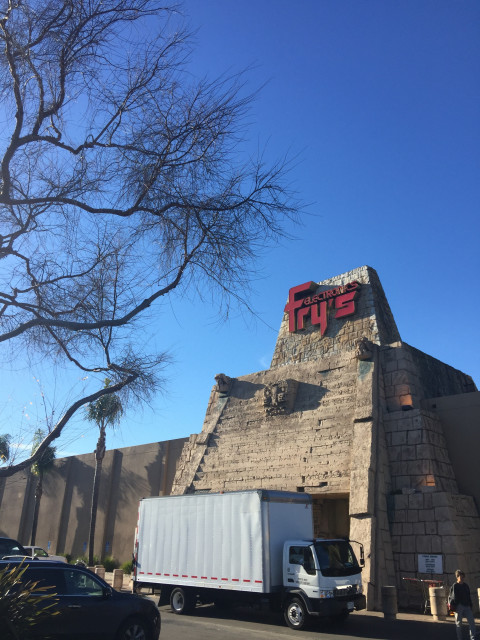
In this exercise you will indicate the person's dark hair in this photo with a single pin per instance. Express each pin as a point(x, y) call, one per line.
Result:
point(459, 572)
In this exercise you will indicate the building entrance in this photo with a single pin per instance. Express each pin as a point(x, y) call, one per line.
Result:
point(330, 516)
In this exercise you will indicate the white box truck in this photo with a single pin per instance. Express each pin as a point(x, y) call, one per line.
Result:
point(244, 546)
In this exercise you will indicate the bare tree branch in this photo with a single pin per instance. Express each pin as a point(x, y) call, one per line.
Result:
point(121, 180)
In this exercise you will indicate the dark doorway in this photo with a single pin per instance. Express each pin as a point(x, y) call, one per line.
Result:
point(330, 517)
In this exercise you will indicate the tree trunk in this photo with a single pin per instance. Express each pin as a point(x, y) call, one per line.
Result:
point(99, 455)
point(36, 510)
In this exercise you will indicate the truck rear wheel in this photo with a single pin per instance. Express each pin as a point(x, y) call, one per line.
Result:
point(181, 601)
point(295, 613)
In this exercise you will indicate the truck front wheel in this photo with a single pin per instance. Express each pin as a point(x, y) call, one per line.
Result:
point(181, 601)
point(295, 613)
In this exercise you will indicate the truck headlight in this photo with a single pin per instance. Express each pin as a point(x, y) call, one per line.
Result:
point(326, 593)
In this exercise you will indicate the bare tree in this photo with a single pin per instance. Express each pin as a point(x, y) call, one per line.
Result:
point(120, 182)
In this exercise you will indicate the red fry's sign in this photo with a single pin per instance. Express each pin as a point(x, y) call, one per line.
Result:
point(300, 305)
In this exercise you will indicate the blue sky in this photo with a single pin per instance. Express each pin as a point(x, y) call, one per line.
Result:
point(379, 102)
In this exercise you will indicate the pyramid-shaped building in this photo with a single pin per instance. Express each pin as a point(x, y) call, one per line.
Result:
point(379, 433)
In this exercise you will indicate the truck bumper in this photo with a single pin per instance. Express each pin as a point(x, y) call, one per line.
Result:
point(336, 606)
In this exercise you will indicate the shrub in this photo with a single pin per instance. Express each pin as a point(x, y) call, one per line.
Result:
point(19, 603)
point(127, 567)
point(110, 563)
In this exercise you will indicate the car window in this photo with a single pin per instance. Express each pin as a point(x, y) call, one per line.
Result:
point(10, 548)
point(50, 578)
point(81, 584)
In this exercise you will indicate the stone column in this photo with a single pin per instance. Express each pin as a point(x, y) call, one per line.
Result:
point(362, 478)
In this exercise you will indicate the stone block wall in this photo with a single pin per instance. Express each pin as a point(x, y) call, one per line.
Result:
point(427, 514)
point(242, 447)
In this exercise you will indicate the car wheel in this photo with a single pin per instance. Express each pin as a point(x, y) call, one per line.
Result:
point(295, 613)
point(134, 629)
point(181, 601)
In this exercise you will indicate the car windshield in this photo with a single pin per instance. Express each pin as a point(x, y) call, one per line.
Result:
point(336, 558)
point(11, 548)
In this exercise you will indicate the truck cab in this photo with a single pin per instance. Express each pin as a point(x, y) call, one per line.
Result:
point(320, 578)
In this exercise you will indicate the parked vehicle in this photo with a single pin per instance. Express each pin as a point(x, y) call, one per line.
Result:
point(89, 609)
point(39, 552)
point(10, 547)
point(245, 546)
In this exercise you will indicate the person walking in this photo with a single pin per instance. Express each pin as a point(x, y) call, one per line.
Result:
point(462, 601)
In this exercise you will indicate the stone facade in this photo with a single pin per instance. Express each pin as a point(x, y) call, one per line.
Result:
point(341, 414)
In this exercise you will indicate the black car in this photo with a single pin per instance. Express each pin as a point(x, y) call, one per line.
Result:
point(88, 607)
point(10, 547)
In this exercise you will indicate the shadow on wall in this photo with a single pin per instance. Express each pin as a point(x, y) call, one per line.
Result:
point(157, 472)
point(244, 390)
point(78, 481)
point(308, 396)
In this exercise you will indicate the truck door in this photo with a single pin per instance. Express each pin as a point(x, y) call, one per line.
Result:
point(300, 569)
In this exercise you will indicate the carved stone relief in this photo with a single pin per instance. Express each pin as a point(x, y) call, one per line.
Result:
point(279, 397)
point(364, 349)
point(224, 384)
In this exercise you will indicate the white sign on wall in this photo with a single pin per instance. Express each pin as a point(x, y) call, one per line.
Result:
point(430, 563)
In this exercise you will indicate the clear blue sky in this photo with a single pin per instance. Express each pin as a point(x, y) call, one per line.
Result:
point(381, 101)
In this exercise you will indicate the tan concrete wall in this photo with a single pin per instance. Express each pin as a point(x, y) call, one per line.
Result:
point(128, 474)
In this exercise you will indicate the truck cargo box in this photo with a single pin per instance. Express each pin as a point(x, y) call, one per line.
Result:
point(230, 541)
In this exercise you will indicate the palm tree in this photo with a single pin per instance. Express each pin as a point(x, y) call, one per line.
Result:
point(4, 447)
point(106, 411)
point(4, 457)
point(39, 468)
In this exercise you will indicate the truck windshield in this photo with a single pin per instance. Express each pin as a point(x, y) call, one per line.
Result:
point(336, 558)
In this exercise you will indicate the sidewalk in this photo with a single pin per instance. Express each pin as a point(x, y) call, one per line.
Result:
point(407, 626)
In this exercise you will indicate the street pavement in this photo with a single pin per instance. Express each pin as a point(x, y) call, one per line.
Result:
point(207, 623)
point(244, 623)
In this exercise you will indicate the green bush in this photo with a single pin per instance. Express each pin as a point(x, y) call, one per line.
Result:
point(19, 603)
point(127, 567)
point(110, 563)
